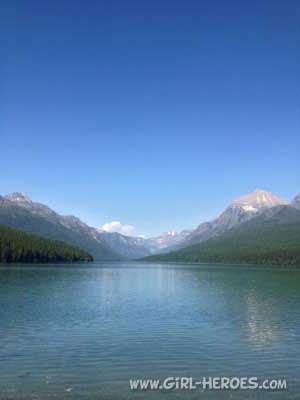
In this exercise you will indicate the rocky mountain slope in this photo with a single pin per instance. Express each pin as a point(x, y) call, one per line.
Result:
point(239, 211)
point(128, 246)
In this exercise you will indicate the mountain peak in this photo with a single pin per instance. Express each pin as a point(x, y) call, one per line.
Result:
point(257, 200)
point(18, 197)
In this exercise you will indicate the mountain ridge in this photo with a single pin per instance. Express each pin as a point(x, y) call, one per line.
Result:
point(36, 218)
point(239, 211)
point(273, 237)
point(19, 211)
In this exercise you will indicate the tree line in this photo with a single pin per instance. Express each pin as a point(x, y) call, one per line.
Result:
point(20, 247)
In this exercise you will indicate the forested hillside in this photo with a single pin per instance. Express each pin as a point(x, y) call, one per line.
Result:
point(18, 246)
point(277, 244)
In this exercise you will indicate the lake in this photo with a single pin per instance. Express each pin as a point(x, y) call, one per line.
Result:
point(82, 331)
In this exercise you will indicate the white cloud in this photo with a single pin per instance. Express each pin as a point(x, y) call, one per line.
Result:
point(116, 226)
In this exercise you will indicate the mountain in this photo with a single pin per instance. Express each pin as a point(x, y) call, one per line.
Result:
point(259, 200)
point(272, 237)
point(127, 246)
point(136, 247)
point(18, 246)
point(18, 197)
point(17, 210)
point(239, 211)
point(166, 241)
point(296, 202)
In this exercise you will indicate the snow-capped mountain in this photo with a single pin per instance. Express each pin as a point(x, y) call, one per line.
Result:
point(258, 200)
point(239, 211)
point(272, 237)
point(167, 239)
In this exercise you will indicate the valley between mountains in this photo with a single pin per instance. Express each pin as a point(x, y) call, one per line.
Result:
point(257, 228)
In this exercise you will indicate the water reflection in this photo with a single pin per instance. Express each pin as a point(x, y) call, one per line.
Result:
point(92, 328)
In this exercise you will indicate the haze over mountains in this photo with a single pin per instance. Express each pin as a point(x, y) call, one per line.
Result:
point(17, 210)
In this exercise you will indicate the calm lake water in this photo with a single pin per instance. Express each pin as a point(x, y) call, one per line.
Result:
point(81, 332)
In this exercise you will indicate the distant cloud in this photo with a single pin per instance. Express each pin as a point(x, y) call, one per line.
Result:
point(116, 226)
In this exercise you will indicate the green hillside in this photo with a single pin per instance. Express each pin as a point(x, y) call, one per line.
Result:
point(18, 246)
point(268, 243)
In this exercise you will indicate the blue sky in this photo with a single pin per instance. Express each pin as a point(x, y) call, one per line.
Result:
point(155, 114)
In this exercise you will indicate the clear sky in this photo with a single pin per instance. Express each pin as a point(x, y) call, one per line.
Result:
point(152, 113)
